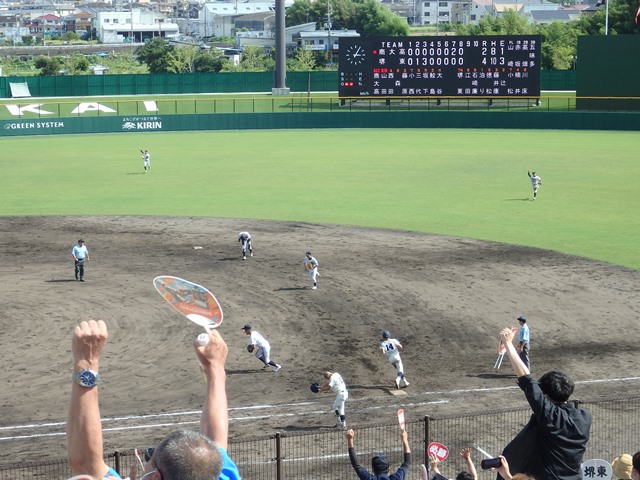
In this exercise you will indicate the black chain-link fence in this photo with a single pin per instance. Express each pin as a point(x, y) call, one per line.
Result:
point(323, 455)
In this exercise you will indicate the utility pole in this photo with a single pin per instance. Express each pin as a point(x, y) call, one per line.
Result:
point(280, 74)
point(329, 46)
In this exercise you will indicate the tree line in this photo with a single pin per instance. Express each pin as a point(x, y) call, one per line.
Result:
point(368, 17)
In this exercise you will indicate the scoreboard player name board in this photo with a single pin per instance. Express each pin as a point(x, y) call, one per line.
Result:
point(451, 66)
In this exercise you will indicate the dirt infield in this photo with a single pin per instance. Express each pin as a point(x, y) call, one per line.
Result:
point(444, 298)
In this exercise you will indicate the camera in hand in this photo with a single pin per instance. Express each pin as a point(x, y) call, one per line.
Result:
point(488, 463)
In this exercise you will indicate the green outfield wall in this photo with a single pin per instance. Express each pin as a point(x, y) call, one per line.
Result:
point(168, 123)
point(230, 82)
point(608, 76)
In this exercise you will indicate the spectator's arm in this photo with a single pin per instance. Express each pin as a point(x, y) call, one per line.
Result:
point(353, 456)
point(503, 470)
point(433, 464)
point(84, 427)
point(471, 468)
point(519, 368)
point(404, 437)
point(214, 421)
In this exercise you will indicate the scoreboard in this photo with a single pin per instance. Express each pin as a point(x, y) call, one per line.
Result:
point(441, 66)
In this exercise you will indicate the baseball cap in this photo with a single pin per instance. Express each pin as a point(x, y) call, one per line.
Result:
point(308, 253)
point(522, 318)
point(380, 464)
point(81, 241)
point(622, 466)
point(246, 327)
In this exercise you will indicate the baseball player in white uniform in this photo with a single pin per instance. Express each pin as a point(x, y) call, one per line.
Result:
point(261, 347)
point(335, 383)
point(146, 158)
point(535, 183)
point(391, 348)
point(311, 267)
point(245, 240)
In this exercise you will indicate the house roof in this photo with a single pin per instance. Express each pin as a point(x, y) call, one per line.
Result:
point(228, 8)
point(557, 15)
point(47, 18)
point(257, 16)
point(501, 8)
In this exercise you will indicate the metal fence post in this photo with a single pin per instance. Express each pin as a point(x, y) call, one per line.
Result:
point(426, 440)
point(278, 457)
point(118, 468)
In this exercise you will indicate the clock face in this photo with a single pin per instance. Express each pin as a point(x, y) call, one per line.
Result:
point(355, 55)
point(87, 378)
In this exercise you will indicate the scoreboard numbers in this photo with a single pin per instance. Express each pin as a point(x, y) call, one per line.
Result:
point(441, 66)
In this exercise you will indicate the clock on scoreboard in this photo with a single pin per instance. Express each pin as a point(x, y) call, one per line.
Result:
point(442, 66)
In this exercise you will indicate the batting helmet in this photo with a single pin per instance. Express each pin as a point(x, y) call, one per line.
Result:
point(315, 388)
point(386, 334)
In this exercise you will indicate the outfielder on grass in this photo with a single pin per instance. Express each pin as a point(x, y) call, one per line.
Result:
point(535, 183)
point(146, 159)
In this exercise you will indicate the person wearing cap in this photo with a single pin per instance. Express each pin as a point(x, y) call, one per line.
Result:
point(535, 183)
point(146, 161)
point(262, 349)
point(311, 267)
point(391, 348)
point(380, 463)
point(80, 256)
point(245, 241)
point(523, 341)
point(622, 466)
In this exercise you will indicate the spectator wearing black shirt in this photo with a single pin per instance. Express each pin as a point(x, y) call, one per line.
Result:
point(552, 443)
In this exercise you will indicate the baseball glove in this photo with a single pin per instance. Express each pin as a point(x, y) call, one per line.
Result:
point(315, 388)
point(250, 348)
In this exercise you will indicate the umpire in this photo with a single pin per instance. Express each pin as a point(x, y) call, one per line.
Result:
point(80, 256)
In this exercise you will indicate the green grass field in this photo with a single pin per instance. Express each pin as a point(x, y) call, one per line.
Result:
point(467, 183)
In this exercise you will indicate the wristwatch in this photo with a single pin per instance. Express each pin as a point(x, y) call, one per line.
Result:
point(86, 378)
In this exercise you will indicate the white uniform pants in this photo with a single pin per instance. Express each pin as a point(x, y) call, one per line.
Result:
point(264, 353)
point(313, 273)
point(396, 361)
point(339, 402)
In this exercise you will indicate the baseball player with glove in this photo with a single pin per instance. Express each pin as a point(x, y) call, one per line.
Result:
point(335, 383)
point(311, 267)
point(390, 347)
point(535, 183)
point(245, 240)
point(258, 344)
point(146, 160)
